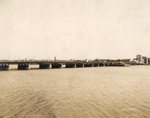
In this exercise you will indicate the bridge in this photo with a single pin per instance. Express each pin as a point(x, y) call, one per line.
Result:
point(24, 64)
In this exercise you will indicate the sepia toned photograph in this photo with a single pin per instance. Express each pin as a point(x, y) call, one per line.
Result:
point(74, 58)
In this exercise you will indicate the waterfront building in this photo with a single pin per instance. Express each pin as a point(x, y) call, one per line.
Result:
point(142, 60)
point(86, 60)
point(54, 58)
point(145, 60)
point(139, 59)
point(149, 61)
point(133, 62)
point(72, 60)
point(126, 61)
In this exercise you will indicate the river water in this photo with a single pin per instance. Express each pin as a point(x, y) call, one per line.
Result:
point(96, 92)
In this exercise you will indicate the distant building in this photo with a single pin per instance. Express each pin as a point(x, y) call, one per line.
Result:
point(149, 61)
point(127, 61)
point(72, 60)
point(86, 60)
point(54, 58)
point(90, 60)
point(31, 59)
point(79, 60)
point(133, 62)
point(145, 60)
point(139, 59)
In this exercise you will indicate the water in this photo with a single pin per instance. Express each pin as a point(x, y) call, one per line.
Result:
point(100, 92)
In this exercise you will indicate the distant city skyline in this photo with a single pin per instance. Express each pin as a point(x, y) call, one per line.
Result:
point(68, 29)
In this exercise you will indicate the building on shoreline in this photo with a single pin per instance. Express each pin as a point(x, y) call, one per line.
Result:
point(139, 59)
point(145, 60)
point(142, 60)
point(149, 61)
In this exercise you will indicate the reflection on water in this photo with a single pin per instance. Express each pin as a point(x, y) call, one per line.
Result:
point(100, 92)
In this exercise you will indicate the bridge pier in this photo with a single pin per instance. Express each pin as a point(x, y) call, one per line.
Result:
point(44, 66)
point(70, 65)
point(4, 67)
point(56, 65)
point(23, 66)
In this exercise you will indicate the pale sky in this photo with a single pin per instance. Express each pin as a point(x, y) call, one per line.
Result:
point(74, 29)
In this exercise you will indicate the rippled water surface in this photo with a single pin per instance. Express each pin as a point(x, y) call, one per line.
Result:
point(100, 92)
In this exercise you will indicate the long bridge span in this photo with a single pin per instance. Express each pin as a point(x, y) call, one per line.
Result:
point(24, 65)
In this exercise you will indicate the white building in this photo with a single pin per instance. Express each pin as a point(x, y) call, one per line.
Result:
point(139, 59)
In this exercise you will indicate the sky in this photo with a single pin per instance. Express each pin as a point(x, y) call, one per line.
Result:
point(74, 29)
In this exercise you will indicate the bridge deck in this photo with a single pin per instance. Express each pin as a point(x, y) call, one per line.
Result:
point(47, 62)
